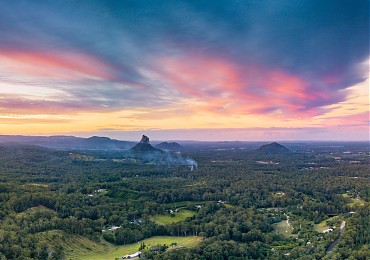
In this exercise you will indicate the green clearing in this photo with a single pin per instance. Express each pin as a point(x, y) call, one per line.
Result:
point(355, 201)
point(37, 185)
point(323, 224)
point(228, 206)
point(74, 246)
point(33, 210)
point(78, 247)
point(102, 193)
point(283, 228)
point(112, 252)
point(175, 217)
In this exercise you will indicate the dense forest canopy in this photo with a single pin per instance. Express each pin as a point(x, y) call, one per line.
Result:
point(239, 202)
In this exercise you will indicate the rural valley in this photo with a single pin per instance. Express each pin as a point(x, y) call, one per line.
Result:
point(247, 200)
point(184, 130)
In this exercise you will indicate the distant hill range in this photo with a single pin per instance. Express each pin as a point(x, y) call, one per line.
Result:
point(144, 148)
point(166, 146)
point(15, 152)
point(59, 149)
point(69, 142)
point(272, 149)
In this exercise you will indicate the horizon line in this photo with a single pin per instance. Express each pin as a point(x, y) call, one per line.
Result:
point(191, 140)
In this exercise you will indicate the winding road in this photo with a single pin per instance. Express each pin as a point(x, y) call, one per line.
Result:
point(342, 227)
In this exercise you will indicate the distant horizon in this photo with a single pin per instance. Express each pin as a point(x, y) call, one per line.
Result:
point(134, 139)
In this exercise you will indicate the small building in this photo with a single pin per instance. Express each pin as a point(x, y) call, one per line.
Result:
point(136, 221)
point(328, 230)
point(134, 255)
point(113, 228)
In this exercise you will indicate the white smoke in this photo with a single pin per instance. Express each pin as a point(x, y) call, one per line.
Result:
point(177, 159)
point(193, 165)
point(167, 157)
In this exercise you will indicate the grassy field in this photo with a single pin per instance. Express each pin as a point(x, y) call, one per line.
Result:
point(355, 201)
point(111, 252)
point(36, 209)
point(228, 205)
point(323, 224)
point(177, 217)
point(38, 185)
point(81, 248)
point(74, 246)
point(283, 228)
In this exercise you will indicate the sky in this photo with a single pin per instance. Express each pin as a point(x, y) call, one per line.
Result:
point(186, 70)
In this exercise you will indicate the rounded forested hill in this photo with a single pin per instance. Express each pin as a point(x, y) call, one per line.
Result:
point(272, 149)
point(173, 146)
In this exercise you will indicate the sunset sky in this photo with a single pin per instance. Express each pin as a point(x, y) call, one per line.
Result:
point(176, 70)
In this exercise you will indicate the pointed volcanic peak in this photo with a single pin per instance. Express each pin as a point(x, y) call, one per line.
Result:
point(273, 149)
point(144, 140)
point(144, 147)
point(169, 146)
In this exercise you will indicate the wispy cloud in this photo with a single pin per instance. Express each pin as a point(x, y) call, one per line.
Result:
point(14, 104)
point(27, 119)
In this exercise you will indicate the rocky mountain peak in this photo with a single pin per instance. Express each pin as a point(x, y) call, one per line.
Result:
point(144, 140)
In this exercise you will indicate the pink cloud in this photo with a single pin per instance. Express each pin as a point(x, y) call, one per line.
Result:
point(55, 65)
point(361, 120)
point(15, 104)
point(228, 87)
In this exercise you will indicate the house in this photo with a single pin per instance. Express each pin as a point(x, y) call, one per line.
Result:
point(113, 228)
point(328, 230)
point(136, 221)
point(269, 162)
point(137, 254)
